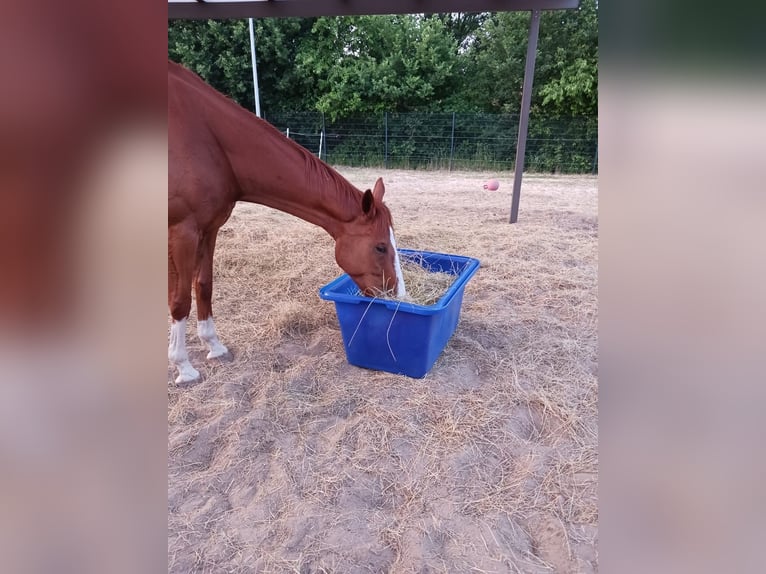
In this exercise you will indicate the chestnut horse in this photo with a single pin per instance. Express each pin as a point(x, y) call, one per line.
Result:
point(218, 154)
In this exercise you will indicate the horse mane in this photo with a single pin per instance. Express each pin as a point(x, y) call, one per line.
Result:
point(322, 177)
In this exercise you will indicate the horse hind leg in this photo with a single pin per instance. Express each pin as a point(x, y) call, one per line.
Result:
point(203, 288)
point(182, 248)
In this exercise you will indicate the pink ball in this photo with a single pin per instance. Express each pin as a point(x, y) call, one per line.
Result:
point(492, 185)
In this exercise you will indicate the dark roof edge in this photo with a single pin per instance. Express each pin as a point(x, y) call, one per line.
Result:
point(309, 8)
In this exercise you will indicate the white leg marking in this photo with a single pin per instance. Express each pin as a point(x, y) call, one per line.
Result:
point(206, 332)
point(177, 353)
point(401, 290)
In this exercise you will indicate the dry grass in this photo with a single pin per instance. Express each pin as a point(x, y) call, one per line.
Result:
point(424, 287)
point(287, 459)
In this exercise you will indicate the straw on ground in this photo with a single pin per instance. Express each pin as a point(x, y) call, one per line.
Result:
point(287, 459)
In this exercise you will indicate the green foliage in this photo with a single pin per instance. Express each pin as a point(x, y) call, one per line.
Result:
point(574, 91)
point(283, 85)
point(347, 68)
point(219, 51)
point(463, 26)
point(495, 64)
point(566, 68)
point(567, 71)
point(371, 64)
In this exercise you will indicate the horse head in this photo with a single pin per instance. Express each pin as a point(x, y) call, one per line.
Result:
point(366, 249)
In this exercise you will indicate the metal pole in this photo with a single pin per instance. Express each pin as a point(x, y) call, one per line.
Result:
point(526, 98)
point(385, 126)
point(255, 71)
point(452, 142)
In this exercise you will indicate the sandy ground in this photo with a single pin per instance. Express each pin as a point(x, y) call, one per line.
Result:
point(288, 459)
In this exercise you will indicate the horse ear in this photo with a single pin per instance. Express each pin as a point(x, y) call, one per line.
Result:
point(379, 190)
point(368, 202)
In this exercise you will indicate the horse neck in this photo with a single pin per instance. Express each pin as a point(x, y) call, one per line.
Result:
point(274, 171)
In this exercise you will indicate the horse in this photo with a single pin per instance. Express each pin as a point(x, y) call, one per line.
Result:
point(219, 153)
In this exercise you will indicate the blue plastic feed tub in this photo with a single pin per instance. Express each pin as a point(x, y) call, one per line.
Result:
point(397, 337)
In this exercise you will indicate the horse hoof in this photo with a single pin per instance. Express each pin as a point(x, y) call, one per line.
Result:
point(222, 356)
point(187, 375)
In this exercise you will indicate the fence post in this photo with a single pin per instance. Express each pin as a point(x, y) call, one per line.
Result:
point(324, 133)
point(385, 127)
point(595, 158)
point(452, 142)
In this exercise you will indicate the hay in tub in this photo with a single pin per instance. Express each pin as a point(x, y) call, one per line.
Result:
point(424, 287)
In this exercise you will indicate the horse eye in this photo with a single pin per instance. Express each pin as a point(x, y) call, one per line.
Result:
point(380, 248)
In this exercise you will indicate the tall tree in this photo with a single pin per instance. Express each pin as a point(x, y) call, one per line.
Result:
point(443, 62)
point(568, 74)
point(219, 51)
point(283, 85)
point(566, 71)
point(376, 63)
point(463, 26)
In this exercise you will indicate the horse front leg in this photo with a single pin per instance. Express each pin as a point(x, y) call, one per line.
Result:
point(182, 248)
point(178, 355)
point(203, 289)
